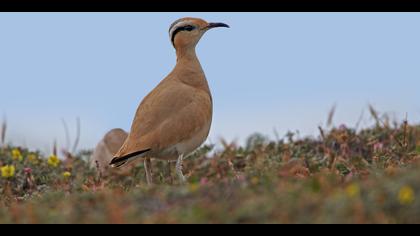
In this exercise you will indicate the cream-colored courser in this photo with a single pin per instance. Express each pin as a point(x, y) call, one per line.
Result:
point(175, 117)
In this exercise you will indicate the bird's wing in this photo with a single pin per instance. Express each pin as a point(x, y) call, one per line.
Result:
point(168, 115)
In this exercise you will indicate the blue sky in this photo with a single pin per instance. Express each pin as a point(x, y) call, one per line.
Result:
point(269, 71)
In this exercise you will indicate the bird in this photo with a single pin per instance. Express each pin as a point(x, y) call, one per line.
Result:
point(105, 150)
point(175, 118)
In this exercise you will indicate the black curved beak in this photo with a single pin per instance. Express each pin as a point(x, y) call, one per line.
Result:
point(216, 25)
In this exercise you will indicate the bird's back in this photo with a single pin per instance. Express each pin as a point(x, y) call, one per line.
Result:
point(174, 111)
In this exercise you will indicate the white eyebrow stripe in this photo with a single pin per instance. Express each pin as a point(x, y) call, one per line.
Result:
point(177, 25)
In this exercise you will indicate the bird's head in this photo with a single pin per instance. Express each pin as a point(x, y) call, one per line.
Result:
point(186, 32)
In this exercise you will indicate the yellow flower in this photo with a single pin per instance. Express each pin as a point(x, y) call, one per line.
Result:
point(193, 187)
point(255, 180)
point(53, 161)
point(66, 174)
point(33, 158)
point(17, 155)
point(353, 190)
point(406, 195)
point(7, 171)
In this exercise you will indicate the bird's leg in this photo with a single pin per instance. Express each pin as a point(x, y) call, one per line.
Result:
point(179, 169)
point(148, 169)
point(170, 173)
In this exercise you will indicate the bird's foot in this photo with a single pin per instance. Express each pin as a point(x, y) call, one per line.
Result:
point(181, 176)
point(148, 169)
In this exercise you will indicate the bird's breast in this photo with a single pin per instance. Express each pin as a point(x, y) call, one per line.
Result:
point(186, 146)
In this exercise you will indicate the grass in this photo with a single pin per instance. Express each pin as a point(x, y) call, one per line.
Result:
point(343, 176)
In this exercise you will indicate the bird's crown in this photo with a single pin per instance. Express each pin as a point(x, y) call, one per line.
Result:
point(196, 26)
point(185, 24)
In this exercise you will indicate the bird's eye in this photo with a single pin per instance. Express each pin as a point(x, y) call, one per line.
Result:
point(180, 29)
point(189, 27)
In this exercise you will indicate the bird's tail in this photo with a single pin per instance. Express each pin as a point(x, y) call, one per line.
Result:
point(119, 161)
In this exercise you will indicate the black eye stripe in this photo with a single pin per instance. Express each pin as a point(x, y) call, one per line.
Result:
point(188, 27)
point(182, 28)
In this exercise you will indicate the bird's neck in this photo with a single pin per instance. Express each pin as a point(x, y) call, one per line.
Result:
point(188, 69)
point(186, 54)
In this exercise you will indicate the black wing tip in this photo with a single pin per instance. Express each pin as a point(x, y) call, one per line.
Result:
point(113, 161)
point(118, 165)
point(124, 159)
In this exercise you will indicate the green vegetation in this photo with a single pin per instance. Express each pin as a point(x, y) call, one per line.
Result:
point(344, 176)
